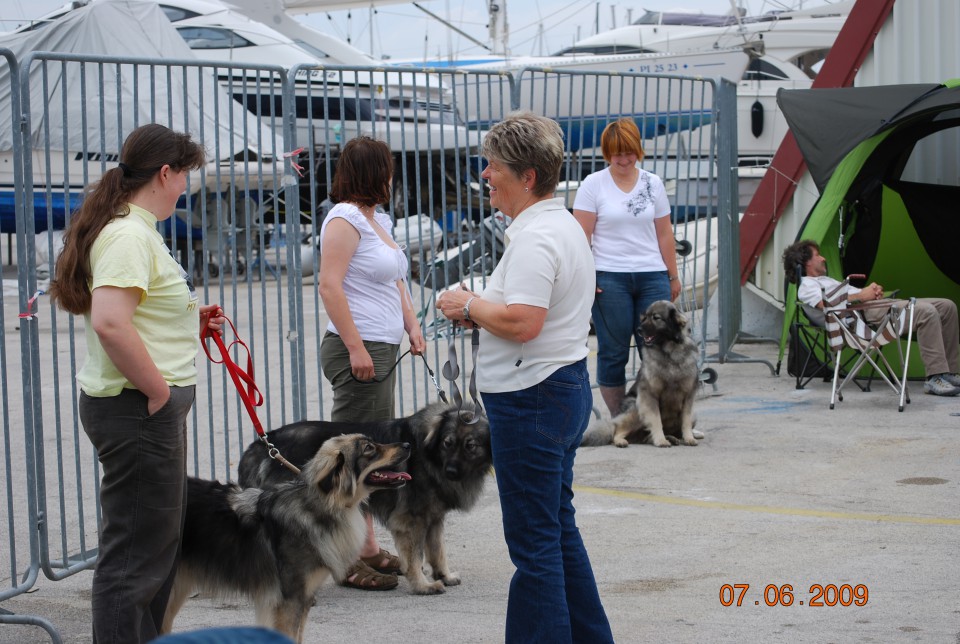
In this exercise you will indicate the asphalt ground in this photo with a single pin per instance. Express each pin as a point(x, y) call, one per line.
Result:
point(729, 541)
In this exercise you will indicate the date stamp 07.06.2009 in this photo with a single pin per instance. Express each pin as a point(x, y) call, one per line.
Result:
point(784, 595)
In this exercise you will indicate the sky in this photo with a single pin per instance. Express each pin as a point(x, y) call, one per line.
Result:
point(401, 31)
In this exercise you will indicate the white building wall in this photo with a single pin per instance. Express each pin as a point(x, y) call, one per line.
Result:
point(917, 44)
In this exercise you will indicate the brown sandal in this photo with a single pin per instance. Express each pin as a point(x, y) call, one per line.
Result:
point(393, 562)
point(367, 578)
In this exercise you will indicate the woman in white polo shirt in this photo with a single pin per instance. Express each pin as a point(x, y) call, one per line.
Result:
point(534, 317)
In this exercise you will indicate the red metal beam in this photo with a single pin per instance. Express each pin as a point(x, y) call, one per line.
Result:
point(853, 43)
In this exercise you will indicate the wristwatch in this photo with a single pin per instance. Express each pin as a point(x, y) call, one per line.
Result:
point(466, 309)
point(673, 278)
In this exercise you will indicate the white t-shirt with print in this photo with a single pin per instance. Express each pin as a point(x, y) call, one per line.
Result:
point(625, 238)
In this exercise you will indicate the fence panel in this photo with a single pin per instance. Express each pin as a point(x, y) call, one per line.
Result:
point(19, 531)
point(81, 109)
point(247, 233)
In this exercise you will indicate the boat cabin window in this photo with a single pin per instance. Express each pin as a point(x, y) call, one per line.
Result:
point(310, 49)
point(690, 18)
point(811, 61)
point(212, 38)
point(176, 14)
point(604, 50)
point(760, 69)
point(331, 108)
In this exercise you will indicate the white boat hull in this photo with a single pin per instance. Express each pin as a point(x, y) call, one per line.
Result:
point(583, 104)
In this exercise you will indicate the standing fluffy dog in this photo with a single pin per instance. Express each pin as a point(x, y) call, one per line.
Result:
point(277, 546)
point(659, 406)
point(449, 462)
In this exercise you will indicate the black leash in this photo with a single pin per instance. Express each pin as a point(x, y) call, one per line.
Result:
point(632, 344)
point(470, 411)
point(374, 380)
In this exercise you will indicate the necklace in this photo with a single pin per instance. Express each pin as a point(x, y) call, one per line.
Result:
point(366, 211)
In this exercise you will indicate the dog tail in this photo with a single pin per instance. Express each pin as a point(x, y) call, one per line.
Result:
point(599, 432)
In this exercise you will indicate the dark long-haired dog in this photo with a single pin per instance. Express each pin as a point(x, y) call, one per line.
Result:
point(659, 407)
point(449, 462)
point(278, 546)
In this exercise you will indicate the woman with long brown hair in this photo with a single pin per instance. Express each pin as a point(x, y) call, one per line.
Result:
point(137, 383)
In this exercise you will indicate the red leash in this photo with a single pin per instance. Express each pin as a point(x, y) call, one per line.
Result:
point(250, 396)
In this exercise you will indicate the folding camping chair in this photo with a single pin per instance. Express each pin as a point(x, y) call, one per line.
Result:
point(809, 354)
point(847, 326)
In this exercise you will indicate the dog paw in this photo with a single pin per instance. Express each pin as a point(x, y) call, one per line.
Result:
point(661, 442)
point(434, 588)
point(692, 442)
point(621, 442)
point(450, 579)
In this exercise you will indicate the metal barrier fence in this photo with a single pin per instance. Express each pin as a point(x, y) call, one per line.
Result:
point(20, 450)
point(248, 226)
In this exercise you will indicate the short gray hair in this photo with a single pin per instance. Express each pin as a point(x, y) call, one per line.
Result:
point(525, 141)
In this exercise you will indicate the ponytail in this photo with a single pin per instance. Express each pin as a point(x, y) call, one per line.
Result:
point(145, 151)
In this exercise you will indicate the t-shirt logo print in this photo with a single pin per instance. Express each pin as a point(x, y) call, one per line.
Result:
point(643, 198)
point(189, 282)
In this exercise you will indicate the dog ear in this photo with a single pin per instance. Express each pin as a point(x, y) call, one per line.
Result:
point(679, 322)
point(434, 432)
point(332, 472)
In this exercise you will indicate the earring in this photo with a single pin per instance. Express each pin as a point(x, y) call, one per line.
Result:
point(526, 189)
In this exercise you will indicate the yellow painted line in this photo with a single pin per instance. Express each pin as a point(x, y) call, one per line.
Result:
point(763, 509)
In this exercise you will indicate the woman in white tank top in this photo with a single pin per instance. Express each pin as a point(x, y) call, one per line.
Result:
point(362, 282)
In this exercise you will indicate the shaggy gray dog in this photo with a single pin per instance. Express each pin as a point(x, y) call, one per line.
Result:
point(658, 408)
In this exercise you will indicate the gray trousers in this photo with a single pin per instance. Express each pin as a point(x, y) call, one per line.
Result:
point(936, 331)
point(142, 496)
point(354, 401)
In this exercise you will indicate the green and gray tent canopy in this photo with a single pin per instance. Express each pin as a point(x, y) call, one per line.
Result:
point(885, 160)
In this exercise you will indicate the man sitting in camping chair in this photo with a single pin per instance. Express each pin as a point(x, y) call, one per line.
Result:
point(935, 325)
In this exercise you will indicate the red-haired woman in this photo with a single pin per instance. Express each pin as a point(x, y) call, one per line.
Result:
point(625, 213)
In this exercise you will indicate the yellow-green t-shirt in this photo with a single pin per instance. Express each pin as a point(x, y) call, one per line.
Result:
point(130, 253)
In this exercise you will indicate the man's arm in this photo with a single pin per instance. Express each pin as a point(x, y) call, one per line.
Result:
point(810, 292)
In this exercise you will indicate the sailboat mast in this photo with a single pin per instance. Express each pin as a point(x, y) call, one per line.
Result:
point(499, 28)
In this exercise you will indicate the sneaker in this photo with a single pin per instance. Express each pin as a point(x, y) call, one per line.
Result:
point(952, 378)
point(940, 386)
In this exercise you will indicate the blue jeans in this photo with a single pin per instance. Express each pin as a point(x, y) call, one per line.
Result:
point(534, 435)
point(624, 297)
